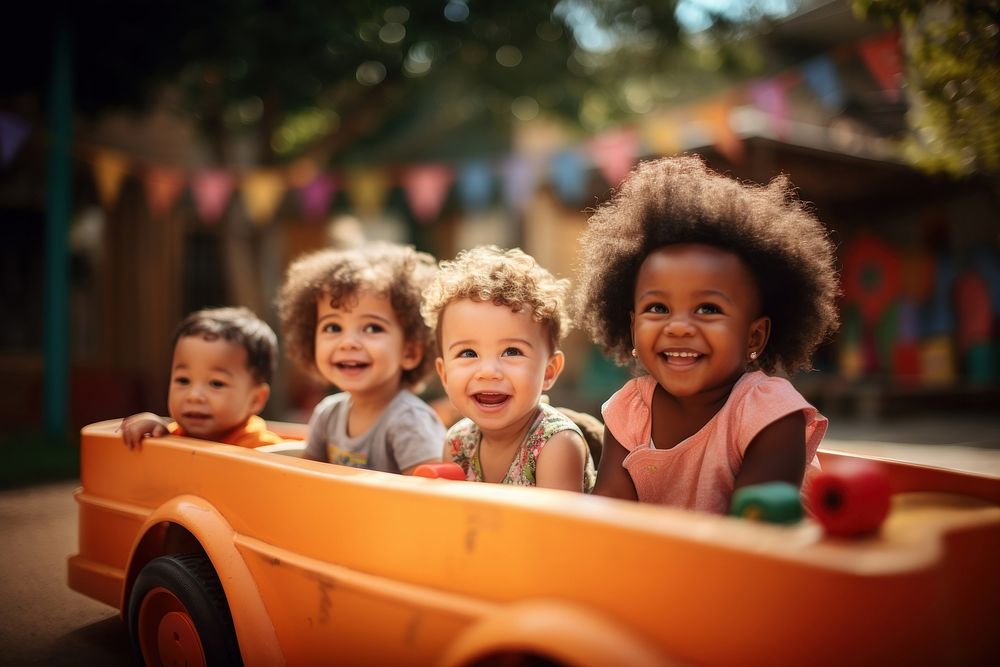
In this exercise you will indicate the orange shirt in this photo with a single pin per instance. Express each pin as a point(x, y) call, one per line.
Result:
point(253, 433)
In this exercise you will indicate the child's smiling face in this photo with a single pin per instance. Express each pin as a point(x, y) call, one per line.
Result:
point(495, 364)
point(361, 347)
point(696, 318)
point(212, 390)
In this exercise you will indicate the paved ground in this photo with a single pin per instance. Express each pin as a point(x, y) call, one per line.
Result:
point(42, 622)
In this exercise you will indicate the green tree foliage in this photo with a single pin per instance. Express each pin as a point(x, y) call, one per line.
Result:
point(952, 53)
point(327, 78)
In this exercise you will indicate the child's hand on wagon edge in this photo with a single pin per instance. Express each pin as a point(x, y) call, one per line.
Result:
point(142, 425)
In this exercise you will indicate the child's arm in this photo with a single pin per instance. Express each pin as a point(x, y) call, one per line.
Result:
point(776, 454)
point(613, 479)
point(142, 425)
point(561, 462)
point(415, 438)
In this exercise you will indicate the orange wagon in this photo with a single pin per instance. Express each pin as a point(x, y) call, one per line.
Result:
point(217, 554)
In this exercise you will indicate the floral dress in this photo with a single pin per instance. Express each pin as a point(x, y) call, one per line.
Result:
point(464, 438)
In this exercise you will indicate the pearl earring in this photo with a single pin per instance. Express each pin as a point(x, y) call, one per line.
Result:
point(753, 355)
point(634, 353)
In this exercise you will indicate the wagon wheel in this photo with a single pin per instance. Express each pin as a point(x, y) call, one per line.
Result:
point(178, 615)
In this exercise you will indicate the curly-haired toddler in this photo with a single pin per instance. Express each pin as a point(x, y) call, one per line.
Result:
point(708, 286)
point(352, 316)
point(220, 379)
point(499, 318)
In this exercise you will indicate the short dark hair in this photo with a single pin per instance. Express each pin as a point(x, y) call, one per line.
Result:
point(399, 272)
point(680, 200)
point(240, 326)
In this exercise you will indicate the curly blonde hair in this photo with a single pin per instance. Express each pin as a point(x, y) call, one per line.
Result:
point(396, 271)
point(509, 278)
point(679, 200)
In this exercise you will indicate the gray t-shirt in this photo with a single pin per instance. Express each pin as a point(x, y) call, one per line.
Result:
point(407, 432)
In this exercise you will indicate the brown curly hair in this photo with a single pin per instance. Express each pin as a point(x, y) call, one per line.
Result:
point(679, 200)
point(509, 278)
point(396, 271)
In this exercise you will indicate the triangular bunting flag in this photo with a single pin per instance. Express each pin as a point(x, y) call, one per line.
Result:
point(302, 172)
point(262, 190)
point(662, 134)
point(110, 168)
point(715, 117)
point(769, 96)
point(212, 189)
point(163, 187)
point(13, 132)
point(426, 187)
point(519, 181)
point(615, 153)
point(881, 55)
point(569, 176)
point(475, 185)
point(820, 75)
point(367, 190)
point(316, 196)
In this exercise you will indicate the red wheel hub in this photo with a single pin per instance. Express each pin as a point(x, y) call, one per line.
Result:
point(167, 634)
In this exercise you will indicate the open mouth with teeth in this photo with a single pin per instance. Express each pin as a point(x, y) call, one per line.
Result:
point(490, 400)
point(351, 366)
point(681, 357)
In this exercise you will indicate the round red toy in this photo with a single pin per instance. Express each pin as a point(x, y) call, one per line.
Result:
point(850, 497)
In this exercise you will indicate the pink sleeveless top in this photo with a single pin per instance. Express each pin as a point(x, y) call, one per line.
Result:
point(699, 473)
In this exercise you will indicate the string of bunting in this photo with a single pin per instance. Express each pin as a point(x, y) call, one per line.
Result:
point(426, 186)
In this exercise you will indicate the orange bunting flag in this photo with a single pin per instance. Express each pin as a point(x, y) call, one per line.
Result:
point(367, 190)
point(715, 117)
point(426, 187)
point(212, 189)
point(163, 187)
point(615, 153)
point(662, 134)
point(302, 172)
point(881, 55)
point(110, 168)
point(262, 191)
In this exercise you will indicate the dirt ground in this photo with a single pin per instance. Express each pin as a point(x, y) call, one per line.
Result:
point(43, 622)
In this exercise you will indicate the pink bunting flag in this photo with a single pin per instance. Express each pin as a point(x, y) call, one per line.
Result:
point(163, 188)
point(615, 153)
point(315, 196)
point(881, 55)
point(770, 96)
point(13, 133)
point(426, 187)
point(212, 189)
point(110, 168)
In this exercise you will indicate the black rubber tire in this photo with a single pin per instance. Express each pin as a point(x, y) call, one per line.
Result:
point(193, 581)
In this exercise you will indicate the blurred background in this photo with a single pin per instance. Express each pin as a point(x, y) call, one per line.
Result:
point(157, 158)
